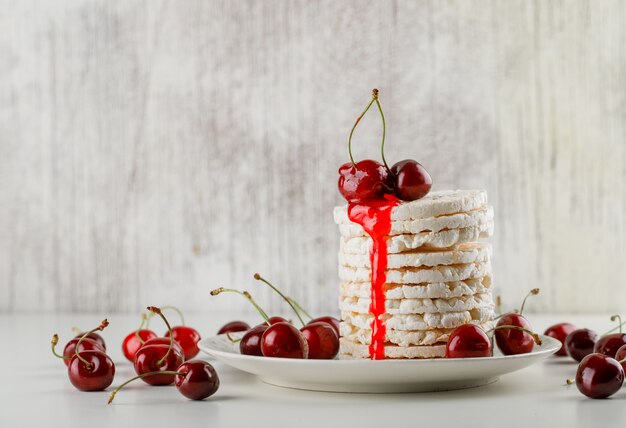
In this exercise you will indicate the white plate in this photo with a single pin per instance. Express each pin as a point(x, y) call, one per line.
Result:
point(385, 376)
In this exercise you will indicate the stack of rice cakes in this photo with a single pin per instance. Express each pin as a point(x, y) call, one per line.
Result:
point(438, 275)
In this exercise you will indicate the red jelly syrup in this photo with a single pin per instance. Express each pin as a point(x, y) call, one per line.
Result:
point(375, 218)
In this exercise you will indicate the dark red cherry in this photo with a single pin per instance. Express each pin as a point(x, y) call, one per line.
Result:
point(366, 179)
point(275, 320)
point(599, 376)
point(94, 336)
point(94, 375)
point(334, 322)
point(148, 359)
point(620, 356)
point(560, 332)
point(512, 341)
point(163, 341)
point(250, 343)
point(85, 345)
point(187, 338)
point(322, 339)
point(609, 344)
point(233, 327)
point(412, 181)
point(580, 343)
point(283, 340)
point(468, 341)
point(200, 380)
point(131, 343)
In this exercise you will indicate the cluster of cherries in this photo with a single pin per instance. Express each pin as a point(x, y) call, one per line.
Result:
point(279, 338)
point(156, 360)
point(369, 179)
point(602, 360)
point(513, 334)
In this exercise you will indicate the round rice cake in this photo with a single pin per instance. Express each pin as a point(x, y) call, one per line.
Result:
point(461, 254)
point(353, 350)
point(418, 275)
point(426, 321)
point(407, 242)
point(361, 305)
point(436, 290)
point(403, 338)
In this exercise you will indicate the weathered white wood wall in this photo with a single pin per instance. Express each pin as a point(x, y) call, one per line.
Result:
point(153, 150)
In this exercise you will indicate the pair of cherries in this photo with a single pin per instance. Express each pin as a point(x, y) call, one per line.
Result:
point(89, 368)
point(513, 334)
point(186, 338)
point(278, 338)
point(368, 179)
point(161, 361)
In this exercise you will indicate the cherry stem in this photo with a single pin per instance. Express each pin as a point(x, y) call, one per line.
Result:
point(300, 308)
point(569, 381)
point(54, 342)
point(178, 311)
point(532, 292)
point(141, 376)
point(358, 119)
point(143, 323)
point(619, 320)
point(260, 278)
point(382, 116)
point(247, 296)
point(101, 327)
point(157, 311)
point(615, 328)
point(534, 335)
point(230, 338)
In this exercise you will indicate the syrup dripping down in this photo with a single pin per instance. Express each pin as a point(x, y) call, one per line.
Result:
point(375, 218)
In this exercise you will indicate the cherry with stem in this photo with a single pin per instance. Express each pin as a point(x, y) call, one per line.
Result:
point(91, 370)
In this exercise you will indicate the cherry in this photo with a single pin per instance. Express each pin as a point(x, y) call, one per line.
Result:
point(233, 327)
point(599, 376)
point(334, 322)
point(609, 344)
point(322, 340)
point(187, 338)
point(515, 341)
point(194, 379)
point(250, 343)
point(93, 336)
point(412, 181)
point(198, 380)
point(560, 332)
point(134, 341)
point(158, 358)
point(366, 179)
point(91, 371)
point(620, 356)
point(580, 343)
point(283, 340)
point(70, 348)
point(468, 341)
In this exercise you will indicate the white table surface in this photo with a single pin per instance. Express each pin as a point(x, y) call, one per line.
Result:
point(35, 391)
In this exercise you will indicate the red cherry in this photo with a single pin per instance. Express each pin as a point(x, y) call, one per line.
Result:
point(412, 181)
point(95, 373)
point(620, 356)
point(609, 344)
point(85, 345)
point(187, 338)
point(250, 343)
point(599, 376)
point(94, 336)
point(334, 322)
point(513, 341)
point(580, 343)
point(131, 343)
point(283, 340)
point(276, 320)
point(560, 332)
point(150, 358)
point(468, 341)
point(366, 179)
point(163, 341)
point(322, 340)
point(200, 380)
point(233, 327)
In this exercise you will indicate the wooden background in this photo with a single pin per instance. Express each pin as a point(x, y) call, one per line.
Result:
point(151, 151)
